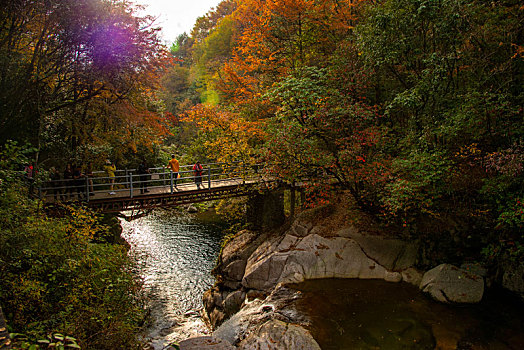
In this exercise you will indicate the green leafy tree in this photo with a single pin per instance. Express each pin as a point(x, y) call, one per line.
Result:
point(86, 69)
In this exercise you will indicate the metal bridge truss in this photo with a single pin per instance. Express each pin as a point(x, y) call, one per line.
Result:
point(163, 200)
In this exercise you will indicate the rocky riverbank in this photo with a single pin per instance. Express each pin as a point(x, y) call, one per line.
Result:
point(250, 305)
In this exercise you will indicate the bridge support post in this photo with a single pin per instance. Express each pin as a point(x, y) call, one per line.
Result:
point(171, 181)
point(87, 189)
point(131, 185)
point(265, 211)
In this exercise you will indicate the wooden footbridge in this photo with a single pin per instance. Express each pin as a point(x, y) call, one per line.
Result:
point(129, 191)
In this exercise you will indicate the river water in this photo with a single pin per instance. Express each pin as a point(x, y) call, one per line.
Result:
point(174, 254)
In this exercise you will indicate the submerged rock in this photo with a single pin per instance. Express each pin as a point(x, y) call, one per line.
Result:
point(412, 276)
point(449, 284)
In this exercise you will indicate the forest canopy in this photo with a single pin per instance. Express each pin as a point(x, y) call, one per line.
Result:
point(78, 78)
point(415, 107)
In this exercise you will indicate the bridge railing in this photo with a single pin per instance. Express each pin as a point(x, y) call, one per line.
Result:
point(128, 183)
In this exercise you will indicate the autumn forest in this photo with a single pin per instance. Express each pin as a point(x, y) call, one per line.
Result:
point(412, 108)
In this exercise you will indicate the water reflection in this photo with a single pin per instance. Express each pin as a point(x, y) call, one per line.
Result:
point(174, 254)
point(369, 314)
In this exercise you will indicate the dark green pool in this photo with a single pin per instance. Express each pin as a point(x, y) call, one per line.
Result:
point(371, 314)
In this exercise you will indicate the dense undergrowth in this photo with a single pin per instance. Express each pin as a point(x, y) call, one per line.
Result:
point(57, 275)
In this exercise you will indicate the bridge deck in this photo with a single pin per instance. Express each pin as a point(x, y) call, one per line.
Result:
point(217, 181)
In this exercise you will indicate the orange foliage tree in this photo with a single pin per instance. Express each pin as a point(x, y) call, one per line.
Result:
point(225, 135)
point(275, 41)
point(276, 37)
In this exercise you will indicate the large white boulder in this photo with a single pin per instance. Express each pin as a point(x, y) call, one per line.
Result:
point(295, 259)
point(450, 284)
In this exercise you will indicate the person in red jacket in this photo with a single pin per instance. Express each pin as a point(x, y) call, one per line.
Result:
point(197, 169)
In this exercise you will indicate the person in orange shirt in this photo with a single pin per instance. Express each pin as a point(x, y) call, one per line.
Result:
point(174, 167)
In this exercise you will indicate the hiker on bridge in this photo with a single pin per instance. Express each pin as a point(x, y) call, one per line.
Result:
point(143, 172)
point(110, 170)
point(78, 181)
point(174, 166)
point(89, 175)
point(197, 169)
point(68, 181)
point(54, 176)
point(30, 175)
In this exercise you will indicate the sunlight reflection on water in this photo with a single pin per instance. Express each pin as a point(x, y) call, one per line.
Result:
point(174, 255)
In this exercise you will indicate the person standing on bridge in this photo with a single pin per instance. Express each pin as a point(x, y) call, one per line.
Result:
point(110, 170)
point(68, 181)
point(174, 166)
point(143, 172)
point(197, 169)
point(78, 181)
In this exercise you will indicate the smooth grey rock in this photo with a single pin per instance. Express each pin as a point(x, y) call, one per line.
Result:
point(275, 334)
point(412, 276)
point(234, 271)
point(311, 257)
point(449, 284)
point(279, 305)
point(393, 254)
point(287, 243)
point(207, 342)
point(233, 302)
point(234, 328)
point(301, 229)
point(238, 248)
point(265, 274)
point(513, 277)
point(392, 276)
